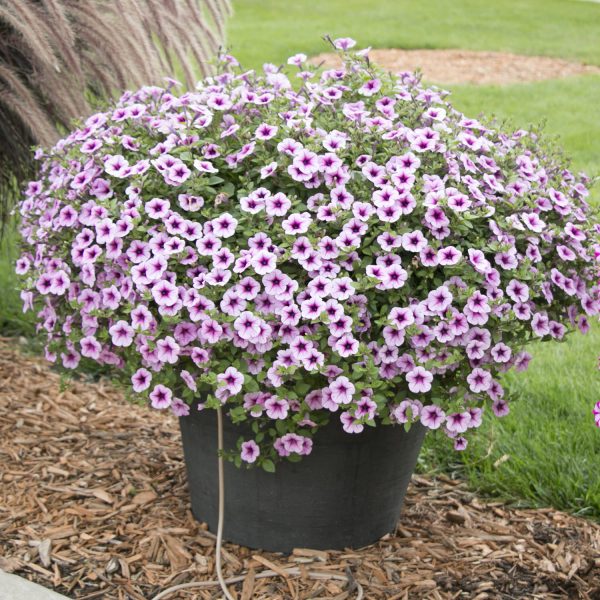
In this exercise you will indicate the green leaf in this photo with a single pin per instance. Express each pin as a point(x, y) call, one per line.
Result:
point(238, 414)
point(302, 387)
point(228, 189)
point(250, 384)
point(268, 465)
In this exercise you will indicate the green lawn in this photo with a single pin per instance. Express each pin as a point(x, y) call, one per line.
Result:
point(546, 451)
point(12, 319)
point(548, 445)
point(271, 30)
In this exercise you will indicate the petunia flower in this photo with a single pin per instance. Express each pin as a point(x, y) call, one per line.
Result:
point(479, 380)
point(276, 408)
point(231, 380)
point(277, 205)
point(419, 380)
point(180, 408)
point(121, 333)
point(264, 262)
point(432, 416)
point(342, 390)
point(350, 423)
point(141, 380)
point(344, 43)
point(161, 397)
point(164, 293)
point(91, 347)
point(250, 451)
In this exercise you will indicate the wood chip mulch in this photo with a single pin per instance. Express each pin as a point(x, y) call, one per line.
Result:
point(470, 66)
point(93, 504)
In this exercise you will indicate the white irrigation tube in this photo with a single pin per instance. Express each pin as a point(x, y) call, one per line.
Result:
point(261, 575)
point(221, 506)
point(221, 581)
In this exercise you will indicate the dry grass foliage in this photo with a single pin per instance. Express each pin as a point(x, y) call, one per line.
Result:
point(57, 56)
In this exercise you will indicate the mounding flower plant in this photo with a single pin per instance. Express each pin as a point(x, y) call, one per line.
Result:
point(299, 248)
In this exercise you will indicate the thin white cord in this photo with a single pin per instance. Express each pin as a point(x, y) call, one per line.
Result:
point(221, 506)
point(262, 575)
point(221, 581)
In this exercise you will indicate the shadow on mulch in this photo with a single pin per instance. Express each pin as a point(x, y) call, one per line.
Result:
point(94, 504)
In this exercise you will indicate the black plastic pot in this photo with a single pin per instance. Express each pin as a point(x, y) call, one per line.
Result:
point(346, 494)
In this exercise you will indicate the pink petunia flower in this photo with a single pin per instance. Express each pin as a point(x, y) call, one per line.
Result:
point(161, 397)
point(350, 423)
point(460, 443)
point(265, 131)
point(458, 422)
point(121, 334)
point(264, 262)
point(276, 408)
point(449, 256)
point(500, 407)
point(432, 416)
point(141, 380)
point(90, 347)
point(250, 451)
point(419, 380)
point(344, 43)
point(167, 350)
point(180, 408)
point(342, 390)
point(231, 380)
point(346, 346)
point(479, 380)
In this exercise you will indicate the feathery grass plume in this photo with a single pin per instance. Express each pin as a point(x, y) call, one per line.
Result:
point(57, 57)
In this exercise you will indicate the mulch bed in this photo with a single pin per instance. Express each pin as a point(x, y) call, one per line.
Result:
point(94, 504)
point(469, 66)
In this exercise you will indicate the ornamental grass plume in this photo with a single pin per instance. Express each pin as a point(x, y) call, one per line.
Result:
point(350, 247)
point(57, 57)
